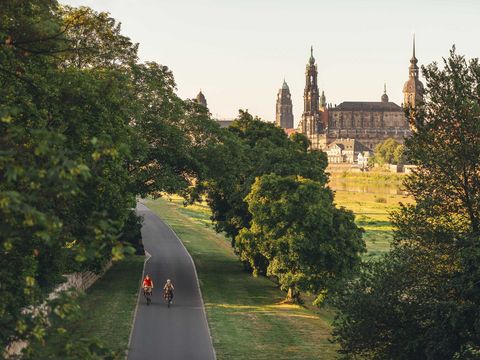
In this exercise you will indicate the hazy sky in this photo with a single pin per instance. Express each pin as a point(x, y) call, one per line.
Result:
point(238, 52)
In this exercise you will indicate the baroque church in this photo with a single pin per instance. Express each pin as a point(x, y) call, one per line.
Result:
point(366, 123)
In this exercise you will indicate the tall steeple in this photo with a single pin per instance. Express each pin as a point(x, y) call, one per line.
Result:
point(284, 113)
point(413, 89)
point(310, 123)
point(310, 94)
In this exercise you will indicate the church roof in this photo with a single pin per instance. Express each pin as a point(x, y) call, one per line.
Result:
point(367, 106)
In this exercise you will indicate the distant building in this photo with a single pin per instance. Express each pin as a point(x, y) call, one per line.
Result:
point(224, 123)
point(367, 122)
point(413, 89)
point(284, 113)
point(363, 157)
point(201, 99)
point(345, 151)
point(311, 124)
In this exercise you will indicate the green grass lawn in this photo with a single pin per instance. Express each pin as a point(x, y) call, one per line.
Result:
point(110, 304)
point(245, 314)
point(372, 209)
point(107, 308)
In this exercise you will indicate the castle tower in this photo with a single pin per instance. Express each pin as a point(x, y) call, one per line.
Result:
point(384, 96)
point(310, 123)
point(201, 99)
point(323, 101)
point(284, 113)
point(413, 89)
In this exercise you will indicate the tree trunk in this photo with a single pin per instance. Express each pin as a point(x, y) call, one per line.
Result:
point(293, 297)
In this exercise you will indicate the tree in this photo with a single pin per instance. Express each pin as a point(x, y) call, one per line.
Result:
point(389, 152)
point(304, 241)
point(422, 300)
point(250, 148)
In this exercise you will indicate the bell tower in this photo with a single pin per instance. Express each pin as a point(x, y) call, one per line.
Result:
point(310, 123)
point(413, 89)
point(284, 113)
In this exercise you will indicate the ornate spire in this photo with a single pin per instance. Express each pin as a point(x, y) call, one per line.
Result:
point(285, 85)
point(323, 100)
point(413, 46)
point(413, 89)
point(385, 96)
point(312, 59)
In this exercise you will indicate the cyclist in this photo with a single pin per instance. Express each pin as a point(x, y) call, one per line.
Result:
point(168, 288)
point(148, 284)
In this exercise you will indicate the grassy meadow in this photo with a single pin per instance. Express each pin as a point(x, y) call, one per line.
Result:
point(372, 202)
point(245, 314)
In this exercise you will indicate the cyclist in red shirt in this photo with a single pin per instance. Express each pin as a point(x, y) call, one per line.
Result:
point(148, 284)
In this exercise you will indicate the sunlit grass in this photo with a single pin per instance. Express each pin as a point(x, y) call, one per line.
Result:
point(107, 308)
point(246, 315)
point(370, 213)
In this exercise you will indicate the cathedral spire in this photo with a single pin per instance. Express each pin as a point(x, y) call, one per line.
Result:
point(312, 59)
point(413, 89)
point(413, 69)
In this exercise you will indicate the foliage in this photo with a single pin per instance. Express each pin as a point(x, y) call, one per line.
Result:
point(239, 305)
point(389, 152)
point(249, 158)
point(422, 300)
point(298, 234)
point(248, 149)
point(84, 129)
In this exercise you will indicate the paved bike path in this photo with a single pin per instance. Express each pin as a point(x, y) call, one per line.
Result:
point(181, 331)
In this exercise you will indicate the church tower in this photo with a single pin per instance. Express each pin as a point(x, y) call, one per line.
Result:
point(201, 99)
point(310, 123)
point(413, 88)
point(284, 115)
point(384, 97)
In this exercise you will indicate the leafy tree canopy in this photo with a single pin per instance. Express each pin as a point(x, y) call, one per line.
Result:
point(422, 300)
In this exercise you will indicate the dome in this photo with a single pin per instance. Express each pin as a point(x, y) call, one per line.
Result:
point(384, 96)
point(413, 85)
point(201, 99)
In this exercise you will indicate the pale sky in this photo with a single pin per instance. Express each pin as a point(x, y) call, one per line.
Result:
point(238, 52)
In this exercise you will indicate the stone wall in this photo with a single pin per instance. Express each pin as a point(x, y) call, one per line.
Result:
point(79, 281)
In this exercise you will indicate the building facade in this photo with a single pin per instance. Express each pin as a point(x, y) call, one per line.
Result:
point(284, 110)
point(367, 122)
